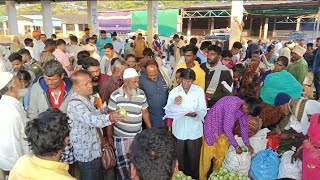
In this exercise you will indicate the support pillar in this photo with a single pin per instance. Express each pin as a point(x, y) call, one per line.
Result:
point(76, 29)
point(266, 26)
point(189, 27)
point(318, 24)
point(152, 20)
point(64, 30)
point(212, 26)
point(260, 30)
point(275, 24)
point(93, 16)
point(12, 18)
point(317, 30)
point(47, 18)
point(298, 24)
point(250, 26)
point(5, 28)
point(236, 21)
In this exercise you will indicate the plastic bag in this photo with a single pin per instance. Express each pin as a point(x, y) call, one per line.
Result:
point(265, 165)
point(257, 141)
point(237, 163)
point(288, 169)
point(273, 142)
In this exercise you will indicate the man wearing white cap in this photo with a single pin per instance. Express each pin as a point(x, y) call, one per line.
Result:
point(285, 51)
point(299, 67)
point(13, 122)
point(133, 100)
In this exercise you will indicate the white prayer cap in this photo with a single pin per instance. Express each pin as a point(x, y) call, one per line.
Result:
point(5, 78)
point(130, 73)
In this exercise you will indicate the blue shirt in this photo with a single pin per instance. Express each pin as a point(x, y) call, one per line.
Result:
point(156, 92)
point(309, 57)
point(186, 127)
point(316, 62)
point(101, 43)
point(202, 57)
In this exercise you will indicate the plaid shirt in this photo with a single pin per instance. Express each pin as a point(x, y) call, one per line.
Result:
point(67, 155)
point(109, 85)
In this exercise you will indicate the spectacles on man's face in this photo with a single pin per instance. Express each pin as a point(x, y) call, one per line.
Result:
point(279, 64)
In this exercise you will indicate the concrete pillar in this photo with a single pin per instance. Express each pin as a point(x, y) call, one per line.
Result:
point(250, 26)
point(212, 26)
point(275, 24)
point(298, 24)
point(236, 19)
point(189, 27)
point(260, 30)
point(93, 16)
point(4, 28)
point(64, 30)
point(318, 26)
point(181, 20)
point(46, 18)
point(12, 18)
point(76, 29)
point(179, 24)
point(152, 20)
point(266, 26)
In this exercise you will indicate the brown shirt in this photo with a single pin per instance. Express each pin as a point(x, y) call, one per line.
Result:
point(109, 85)
point(221, 91)
point(139, 46)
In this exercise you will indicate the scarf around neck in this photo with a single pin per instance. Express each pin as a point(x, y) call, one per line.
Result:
point(216, 76)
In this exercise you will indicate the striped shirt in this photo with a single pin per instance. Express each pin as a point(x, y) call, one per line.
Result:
point(132, 125)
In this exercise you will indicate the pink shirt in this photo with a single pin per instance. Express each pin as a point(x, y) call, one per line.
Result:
point(63, 59)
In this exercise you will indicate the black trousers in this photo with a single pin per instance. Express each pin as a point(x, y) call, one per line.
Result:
point(188, 152)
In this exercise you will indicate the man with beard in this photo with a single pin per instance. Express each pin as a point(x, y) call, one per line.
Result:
point(299, 67)
point(216, 73)
point(93, 66)
point(13, 122)
point(132, 99)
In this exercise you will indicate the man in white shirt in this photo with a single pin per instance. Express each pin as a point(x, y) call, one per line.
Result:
point(38, 44)
point(73, 49)
point(117, 46)
point(13, 122)
point(105, 64)
point(28, 42)
point(188, 129)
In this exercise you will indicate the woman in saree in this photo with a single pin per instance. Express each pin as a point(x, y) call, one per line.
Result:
point(273, 82)
point(269, 58)
point(251, 78)
point(310, 150)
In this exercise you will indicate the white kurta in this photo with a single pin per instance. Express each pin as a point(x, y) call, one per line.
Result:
point(13, 122)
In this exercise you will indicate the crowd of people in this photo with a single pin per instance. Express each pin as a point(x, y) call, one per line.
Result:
point(163, 107)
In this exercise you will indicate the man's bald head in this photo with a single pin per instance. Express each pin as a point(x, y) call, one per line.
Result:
point(152, 70)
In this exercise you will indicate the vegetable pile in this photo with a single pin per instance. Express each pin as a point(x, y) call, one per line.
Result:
point(182, 176)
point(224, 174)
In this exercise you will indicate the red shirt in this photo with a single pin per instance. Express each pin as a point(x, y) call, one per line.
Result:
point(56, 103)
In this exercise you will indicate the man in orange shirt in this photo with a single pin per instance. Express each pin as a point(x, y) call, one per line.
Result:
point(139, 45)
